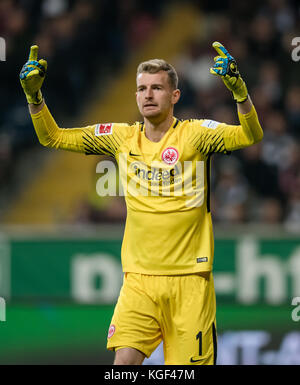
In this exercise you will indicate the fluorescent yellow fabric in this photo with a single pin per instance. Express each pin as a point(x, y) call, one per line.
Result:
point(168, 228)
point(181, 310)
point(32, 76)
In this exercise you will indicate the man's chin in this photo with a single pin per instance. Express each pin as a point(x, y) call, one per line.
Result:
point(151, 113)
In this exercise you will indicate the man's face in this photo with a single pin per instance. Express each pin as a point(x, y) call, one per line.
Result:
point(155, 97)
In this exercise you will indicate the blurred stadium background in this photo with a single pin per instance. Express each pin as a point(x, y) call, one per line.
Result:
point(60, 270)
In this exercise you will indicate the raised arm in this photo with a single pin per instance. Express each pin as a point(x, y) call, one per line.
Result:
point(225, 66)
point(53, 136)
point(49, 134)
point(95, 139)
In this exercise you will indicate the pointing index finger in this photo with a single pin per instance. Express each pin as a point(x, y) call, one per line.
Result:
point(33, 52)
point(222, 51)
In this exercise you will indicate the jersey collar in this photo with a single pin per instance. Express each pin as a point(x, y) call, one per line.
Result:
point(174, 124)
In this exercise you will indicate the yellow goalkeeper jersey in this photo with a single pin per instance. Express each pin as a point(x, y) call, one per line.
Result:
point(166, 184)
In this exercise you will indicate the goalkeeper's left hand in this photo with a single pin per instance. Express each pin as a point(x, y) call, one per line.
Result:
point(226, 67)
point(32, 77)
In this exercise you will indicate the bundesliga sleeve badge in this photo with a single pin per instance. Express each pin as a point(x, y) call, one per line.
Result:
point(103, 129)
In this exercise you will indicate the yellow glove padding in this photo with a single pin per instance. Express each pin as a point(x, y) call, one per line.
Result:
point(32, 76)
point(226, 67)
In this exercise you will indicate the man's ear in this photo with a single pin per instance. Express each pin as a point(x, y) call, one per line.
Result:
point(176, 96)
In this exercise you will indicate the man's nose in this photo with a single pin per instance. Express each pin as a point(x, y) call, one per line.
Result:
point(149, 93)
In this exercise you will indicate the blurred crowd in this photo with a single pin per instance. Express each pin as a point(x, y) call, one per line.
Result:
point(258, 184)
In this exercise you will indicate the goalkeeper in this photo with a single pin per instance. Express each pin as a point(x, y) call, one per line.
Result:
point(168, 247)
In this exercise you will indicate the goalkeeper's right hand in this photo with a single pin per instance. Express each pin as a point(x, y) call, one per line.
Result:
point(32, 76)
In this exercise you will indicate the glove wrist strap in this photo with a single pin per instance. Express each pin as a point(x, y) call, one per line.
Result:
point(243, 101)
point(36, 99)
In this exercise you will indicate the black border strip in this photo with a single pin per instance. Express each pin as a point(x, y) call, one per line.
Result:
point(208, 164)
point(215, 343)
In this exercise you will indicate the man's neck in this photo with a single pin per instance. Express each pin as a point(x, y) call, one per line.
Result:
point(154, 131)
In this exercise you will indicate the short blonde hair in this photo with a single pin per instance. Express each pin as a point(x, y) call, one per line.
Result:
point(155, 65)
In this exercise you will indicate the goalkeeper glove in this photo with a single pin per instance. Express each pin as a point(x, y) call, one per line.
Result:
point(226, 67)
point(32, 76)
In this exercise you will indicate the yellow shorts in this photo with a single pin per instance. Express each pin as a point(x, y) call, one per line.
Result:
point(180, 310)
